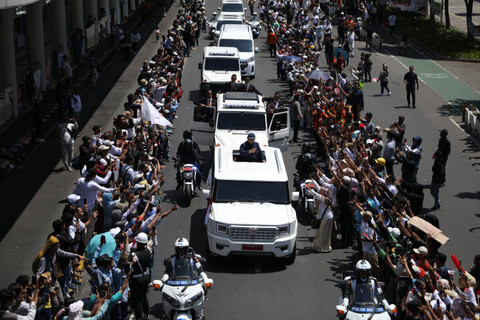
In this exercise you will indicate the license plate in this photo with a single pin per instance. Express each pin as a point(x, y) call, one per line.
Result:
point(252, 247)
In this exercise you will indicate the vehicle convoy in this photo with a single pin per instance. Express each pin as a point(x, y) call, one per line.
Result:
point(250, 211)
point(185, 286)
point(218, 66)
point(240, 37)
point(236, 115)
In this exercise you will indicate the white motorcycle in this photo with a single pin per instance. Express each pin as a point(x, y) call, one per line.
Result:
point(183, 296)
point(365, 305)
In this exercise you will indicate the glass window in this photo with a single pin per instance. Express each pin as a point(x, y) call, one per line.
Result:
point(232, 7)
point(251, 191)
point(241, 45)
point(220, 64)
point(221, 23)
point(203, 114)
point(241, 121)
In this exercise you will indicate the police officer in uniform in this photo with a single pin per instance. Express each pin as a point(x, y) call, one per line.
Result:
point(141, 260)
point(362, 275)
point(182, 251)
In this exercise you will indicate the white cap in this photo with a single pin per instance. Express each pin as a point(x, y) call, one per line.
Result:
point(394, 231)
point(421, 250)
point(141, 238)
point(73, 198)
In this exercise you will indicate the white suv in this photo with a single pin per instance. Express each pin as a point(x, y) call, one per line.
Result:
point(232, 6)
point(250, 211)
point(241, 37)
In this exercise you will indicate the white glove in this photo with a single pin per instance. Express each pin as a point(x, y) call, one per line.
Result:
point(345, 302)
point(165, 278)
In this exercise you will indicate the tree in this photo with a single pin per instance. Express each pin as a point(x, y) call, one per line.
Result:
point(447, 14)
point(469, 5)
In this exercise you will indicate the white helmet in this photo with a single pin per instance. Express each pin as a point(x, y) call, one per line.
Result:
point(214, 13)
point(363, 265)
point(141, 238)
point(181, 243)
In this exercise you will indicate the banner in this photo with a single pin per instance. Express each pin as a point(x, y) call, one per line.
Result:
point(150, 114)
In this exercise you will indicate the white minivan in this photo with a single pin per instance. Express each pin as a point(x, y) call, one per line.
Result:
point(224, 19)
point(232, 6)
point(241, 37)
point(250, 211)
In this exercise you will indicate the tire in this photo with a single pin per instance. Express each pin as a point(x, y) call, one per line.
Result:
point(291, 258)
point(310, 208)
point(188, 196)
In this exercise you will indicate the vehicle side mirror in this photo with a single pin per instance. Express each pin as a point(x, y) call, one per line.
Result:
point(211, 123)
point(256, 49)
point(200, 66)
point(245, 9)
point(219, 9)
point(295, 196)
point(206, 193)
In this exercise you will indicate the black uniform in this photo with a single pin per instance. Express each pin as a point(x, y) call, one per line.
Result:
point(139, 283)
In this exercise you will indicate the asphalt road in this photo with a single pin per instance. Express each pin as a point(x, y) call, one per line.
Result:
point(267, 289)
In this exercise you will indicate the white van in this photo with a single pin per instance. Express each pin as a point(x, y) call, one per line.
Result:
point(224, 19)
point(240, 37)
point(250, 211)
point(236, 115)
point(232, 6)
point(219, 64)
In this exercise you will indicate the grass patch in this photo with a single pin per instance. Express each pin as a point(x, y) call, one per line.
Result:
point(435, 36)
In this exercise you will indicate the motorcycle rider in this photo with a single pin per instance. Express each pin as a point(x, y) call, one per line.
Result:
point(305, 168)
point(188, 152)
point(362, 275)
point(183, 251)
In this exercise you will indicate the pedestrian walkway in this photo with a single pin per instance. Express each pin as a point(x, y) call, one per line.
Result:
point(444, 83)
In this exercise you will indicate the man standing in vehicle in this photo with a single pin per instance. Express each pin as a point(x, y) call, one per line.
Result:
point(250, 150)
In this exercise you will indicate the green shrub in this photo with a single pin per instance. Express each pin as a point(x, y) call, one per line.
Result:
point(435, 36)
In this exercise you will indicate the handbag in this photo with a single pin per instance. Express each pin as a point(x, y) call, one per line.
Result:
point(315, 223)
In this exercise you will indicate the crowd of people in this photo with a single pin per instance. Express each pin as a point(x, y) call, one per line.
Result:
point(108, 227)
point(351, 161)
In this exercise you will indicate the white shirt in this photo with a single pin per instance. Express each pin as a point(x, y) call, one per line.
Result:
point(76, 103)
point(89, 189)
point(73, 227)
point(65, 136)
point(366, 229)
point(391, 20)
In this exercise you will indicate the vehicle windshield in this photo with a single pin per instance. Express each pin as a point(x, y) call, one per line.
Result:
point(364, 295)
point(221, 23)
point(183, 270)
point(241, 121)
point(232, 7)
point(219, 64)
point(251, 191)
point(241, 45)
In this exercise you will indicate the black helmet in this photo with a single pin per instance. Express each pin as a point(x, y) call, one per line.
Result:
point(187, 134)
point(308, 157)
point(306, 147)
point(188, 144)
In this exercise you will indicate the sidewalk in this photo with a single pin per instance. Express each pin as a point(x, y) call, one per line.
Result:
point(17, 138)
point(41, 164)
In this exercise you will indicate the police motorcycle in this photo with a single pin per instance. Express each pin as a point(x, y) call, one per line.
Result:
point(367, 301)
point(184, 293)
point(256, 25)
point(188, 176)
point(305, 165)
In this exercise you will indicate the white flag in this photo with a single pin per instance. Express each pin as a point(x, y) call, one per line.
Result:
point(149, 113)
